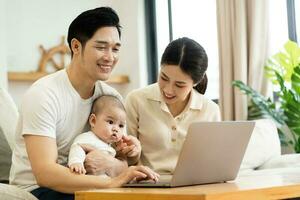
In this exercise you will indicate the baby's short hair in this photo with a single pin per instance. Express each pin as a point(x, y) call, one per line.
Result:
point(106, 101)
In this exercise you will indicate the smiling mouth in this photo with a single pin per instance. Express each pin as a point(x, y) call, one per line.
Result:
point(168, 96)
point(105, 68)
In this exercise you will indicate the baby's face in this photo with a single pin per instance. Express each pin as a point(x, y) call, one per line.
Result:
point(110, 124)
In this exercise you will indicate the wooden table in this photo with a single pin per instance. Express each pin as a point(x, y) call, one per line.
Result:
point(244, 188)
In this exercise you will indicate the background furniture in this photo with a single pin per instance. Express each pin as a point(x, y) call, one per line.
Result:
point(8, 121)
point(263, 154)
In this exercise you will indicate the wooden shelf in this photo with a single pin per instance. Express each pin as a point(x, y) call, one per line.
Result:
point(25, 76)
point(33, 76)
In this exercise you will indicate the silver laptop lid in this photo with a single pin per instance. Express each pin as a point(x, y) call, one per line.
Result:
point(212, 152)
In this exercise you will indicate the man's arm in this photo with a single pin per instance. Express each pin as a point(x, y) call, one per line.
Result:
point(42, 153)
point(128, 152)
point(96, 162)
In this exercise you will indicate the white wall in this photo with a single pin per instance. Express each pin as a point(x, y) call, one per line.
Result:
point(38, 22)
point(3, 76)
point(133, 53)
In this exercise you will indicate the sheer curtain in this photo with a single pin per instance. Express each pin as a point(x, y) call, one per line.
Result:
point(242, 37)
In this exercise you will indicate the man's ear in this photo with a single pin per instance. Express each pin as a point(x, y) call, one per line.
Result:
point(75, 46)
point(92, 120)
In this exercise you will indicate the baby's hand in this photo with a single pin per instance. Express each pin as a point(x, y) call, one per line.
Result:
point(133, 146)
point(77, 168)
point(119, 146)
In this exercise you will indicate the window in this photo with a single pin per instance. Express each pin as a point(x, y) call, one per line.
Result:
point(195, 19)
point(297, 16)
point(278, 26)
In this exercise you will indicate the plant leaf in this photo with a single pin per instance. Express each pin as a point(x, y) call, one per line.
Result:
point(296, 79)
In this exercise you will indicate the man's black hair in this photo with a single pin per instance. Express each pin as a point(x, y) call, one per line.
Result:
point(87, 23)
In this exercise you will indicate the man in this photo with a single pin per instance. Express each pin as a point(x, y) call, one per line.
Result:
point(56, 108)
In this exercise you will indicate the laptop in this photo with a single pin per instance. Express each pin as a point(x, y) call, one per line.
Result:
point(212, 152)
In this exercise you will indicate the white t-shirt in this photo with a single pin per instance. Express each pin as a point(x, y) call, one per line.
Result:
point(77, 154)
point(52, 108)
point(162, 135)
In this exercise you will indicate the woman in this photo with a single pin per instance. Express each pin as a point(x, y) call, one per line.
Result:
point(160, 114)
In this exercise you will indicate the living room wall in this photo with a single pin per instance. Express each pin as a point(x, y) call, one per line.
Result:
point(3, 80)
point(28, 24)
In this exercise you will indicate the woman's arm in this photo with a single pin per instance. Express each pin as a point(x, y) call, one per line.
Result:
point(132, 124)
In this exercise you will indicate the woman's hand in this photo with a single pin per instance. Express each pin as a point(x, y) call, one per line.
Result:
point(135, 173)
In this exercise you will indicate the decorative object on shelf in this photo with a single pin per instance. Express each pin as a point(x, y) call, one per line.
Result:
point(282, 69)
point(49, 57)
point(61, 50)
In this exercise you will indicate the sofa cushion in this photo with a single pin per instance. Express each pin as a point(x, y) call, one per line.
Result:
point(8, 122)
point(264, 144)
point(11, 192)
point(282, 161)
point(8, 116)
point(5, 158)
point(272, 171)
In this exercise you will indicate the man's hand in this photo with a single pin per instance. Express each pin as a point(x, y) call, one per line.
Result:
point(97, 162)
point(129, 147)
point(134, 173)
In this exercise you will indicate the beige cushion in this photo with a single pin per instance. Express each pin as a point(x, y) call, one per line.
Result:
point(11, 192)
point(264, 145)
point(5, 158)
point(8, 116)
point(282, 161)
point(272, 171)
point(8, 122)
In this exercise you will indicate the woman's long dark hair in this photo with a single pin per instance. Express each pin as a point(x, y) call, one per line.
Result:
point(191, 57)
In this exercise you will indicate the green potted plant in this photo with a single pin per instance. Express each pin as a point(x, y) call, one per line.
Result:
point(283, 69)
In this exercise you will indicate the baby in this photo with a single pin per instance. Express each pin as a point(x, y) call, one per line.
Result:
point(107, 121)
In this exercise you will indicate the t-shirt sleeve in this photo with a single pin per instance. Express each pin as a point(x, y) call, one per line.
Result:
point(39, 113)
point(132, 114)
point(76, 154)
point(108, 90)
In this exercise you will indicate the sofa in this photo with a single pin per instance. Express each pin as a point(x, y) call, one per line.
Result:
point(263, 154)
point(8, 122)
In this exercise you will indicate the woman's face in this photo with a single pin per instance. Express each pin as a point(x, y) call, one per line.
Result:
point(175, 85)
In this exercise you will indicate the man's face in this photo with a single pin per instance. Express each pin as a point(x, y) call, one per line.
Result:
point(101, 53)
